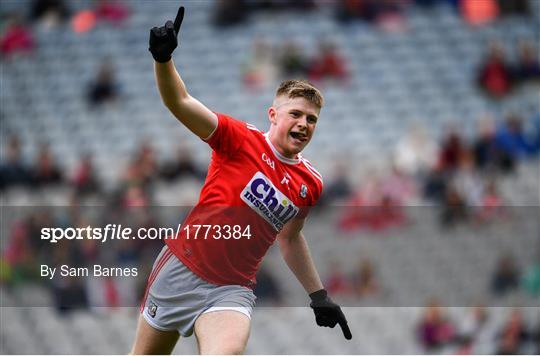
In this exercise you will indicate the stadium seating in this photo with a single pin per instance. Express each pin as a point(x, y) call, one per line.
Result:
point(421, 75)
point(424, 75)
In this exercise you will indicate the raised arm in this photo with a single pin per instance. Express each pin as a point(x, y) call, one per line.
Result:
point(188, 110)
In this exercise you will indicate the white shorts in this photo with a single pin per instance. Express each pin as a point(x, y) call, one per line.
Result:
point(175, 297)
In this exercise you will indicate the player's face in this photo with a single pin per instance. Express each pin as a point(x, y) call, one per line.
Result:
point(293, 122)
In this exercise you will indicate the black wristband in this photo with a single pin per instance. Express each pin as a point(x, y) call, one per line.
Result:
point(319, 295)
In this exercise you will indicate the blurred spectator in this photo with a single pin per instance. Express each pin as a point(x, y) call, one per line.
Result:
point(292, 61)
point(267, 288)
point(359, 209)
point(398, 188)
point(135, 197)
point(328, 64)
point(454, 209)
point(472, 329)
point(90, 250)
point(18, 254)
point(372, 207)
point(114, 12)
point(505, 277)
point(391, 15)
point(536, 340)
point(451, 151)
point(415, 153)
point(365, 281)
point(468, 182)
point(431, 3)
point(83, 21)
point(137, 178)
point(46, 170)
point(84, 178)
point(435, 330)
point(512, 141)
point(282, 4)
point(49, 12)
point(389, 214)
point(230, 12)
point(260, 70)
point(387, 13)
point(123, 291)
point(16, 38)
point(12, 169)
point(495, 74)
point(147, 160)
point(492, 204)
point(37, 220)
point(513, 335)
point(347, 10)
point(339, 186)
point(435, 185)
point(105, 88)
point(487, 154)
point(531, 278)
point(133, 174)
point(69, 292)
point(183, 164)
point(535, 133)
point(514, 7)
point(528, 65)
point(336, 281)
point(479, 12)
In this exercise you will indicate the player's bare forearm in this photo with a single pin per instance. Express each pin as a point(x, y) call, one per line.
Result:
point(188, 110)
point(295, 251)
point(171, 87)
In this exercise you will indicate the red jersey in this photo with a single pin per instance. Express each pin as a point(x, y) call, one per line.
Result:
point(250, 188)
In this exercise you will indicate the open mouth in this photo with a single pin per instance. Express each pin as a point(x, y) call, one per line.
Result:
point(299, 136)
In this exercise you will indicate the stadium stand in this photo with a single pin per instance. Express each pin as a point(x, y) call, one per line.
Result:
point(424, 75)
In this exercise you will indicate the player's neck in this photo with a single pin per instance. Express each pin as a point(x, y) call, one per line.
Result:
point(278, 150)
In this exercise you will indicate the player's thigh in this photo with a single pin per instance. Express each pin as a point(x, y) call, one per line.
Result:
point(150, 341)
point(223, 332)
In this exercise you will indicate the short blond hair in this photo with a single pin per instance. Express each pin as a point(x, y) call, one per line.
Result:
point(298, 88)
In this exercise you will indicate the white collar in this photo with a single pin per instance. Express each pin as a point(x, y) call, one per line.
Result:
point(279, 156)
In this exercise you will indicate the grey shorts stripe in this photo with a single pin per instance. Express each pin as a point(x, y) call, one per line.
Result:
point(176, 297)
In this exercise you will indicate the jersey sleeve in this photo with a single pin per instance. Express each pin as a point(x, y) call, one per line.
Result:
point(317, 187)
point(228, 135)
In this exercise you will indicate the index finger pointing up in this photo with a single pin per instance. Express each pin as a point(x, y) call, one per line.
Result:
point(178, 20)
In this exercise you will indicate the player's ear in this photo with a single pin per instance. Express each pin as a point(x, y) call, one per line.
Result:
point(272, 115)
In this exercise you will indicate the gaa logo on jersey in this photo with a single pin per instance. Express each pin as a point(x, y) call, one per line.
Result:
point(271, 204)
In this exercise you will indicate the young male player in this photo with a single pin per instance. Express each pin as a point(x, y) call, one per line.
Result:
point(257, 189)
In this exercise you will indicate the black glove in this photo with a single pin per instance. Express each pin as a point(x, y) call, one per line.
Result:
point(163, 40)
point(328, 313)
